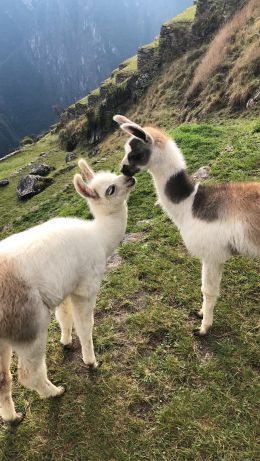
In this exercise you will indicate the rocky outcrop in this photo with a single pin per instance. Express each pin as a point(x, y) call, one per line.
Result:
point(4, 182)
point(210, 15)
point(70, 156)
point(31, 185)
point(41, 170)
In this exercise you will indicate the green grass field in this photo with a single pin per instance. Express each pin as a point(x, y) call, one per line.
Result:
point(160, 394)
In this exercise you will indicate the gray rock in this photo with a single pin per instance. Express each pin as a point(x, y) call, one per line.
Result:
point(4, 182)
point(70, 156)
point(31, 185)
point(133, 237)
point(114, 261)
point(201, 173)
point(94, 152)
point(41, 170)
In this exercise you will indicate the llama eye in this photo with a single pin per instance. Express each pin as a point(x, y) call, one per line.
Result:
point(110, 190)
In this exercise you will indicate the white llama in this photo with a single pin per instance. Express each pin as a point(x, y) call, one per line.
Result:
point(62, 259)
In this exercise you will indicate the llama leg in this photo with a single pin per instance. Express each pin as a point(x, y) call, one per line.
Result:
point(64, 316)
point(32, 370)
point(7, 410)
point(211, 278)
point(83, 316)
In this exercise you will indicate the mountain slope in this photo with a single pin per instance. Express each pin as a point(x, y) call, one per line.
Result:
point(160, 393)
point(52, 52)
point(160, 80)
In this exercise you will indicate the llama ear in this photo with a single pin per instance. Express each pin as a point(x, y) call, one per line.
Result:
point(86, 170)
point(120, 119)
point(82, 188)
point(137, 131)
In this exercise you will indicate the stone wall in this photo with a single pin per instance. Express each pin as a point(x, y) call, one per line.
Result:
point(175, 40)
point(147, 59)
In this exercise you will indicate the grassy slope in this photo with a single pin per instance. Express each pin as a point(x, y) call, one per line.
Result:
point(186, 16)
point(160, 394)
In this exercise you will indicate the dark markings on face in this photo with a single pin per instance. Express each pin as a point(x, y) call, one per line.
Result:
point(138, 156)
point(128, 170)
point(179, 187)
point(208, 202)
point(140, 153)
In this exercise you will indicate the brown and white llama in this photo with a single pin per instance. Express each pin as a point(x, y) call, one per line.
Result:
point(215, 221)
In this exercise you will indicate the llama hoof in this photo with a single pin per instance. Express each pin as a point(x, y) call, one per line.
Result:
point(92, 366)
point(17, 420)
point(61, 391)
point(199, 314)
point(198, 333)
point(68, 346)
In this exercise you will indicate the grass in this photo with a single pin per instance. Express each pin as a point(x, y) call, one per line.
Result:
point(160, 394)
point(153, 44)
point(83, 101)
point(130, 66)
point(187, 15)
point(96, 92)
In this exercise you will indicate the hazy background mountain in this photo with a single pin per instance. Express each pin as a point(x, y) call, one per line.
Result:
point(52, 52)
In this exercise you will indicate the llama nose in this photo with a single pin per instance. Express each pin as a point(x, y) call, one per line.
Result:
point(126, 170)
point(129, 170)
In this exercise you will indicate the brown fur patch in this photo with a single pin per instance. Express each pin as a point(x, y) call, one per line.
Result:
point(18, 306)
point(160, 138)
point(246, 198)
point(210, 202)
point(225, 201)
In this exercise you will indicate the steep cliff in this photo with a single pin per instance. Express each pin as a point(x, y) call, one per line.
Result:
point(52, 52)
point(166, 67)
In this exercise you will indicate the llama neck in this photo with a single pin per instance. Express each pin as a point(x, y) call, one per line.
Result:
point(170, 161)
point(173, 185)
point(111, 229)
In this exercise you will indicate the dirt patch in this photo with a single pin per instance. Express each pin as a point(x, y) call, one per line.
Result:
point(140, 407)
point(134, 237)
point(114, 261)
point(157, 337)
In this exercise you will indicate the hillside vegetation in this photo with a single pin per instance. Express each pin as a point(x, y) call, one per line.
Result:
point(160, 394)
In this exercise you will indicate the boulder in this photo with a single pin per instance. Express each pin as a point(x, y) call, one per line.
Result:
point(31, 185)
point(4, 182)
point(70, 156)
point(41, 170)
point(96, 151)
point(201, 173)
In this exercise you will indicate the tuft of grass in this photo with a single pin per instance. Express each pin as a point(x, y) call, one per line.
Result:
point(83, 101)
point(153, 44)
point(130, 65)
